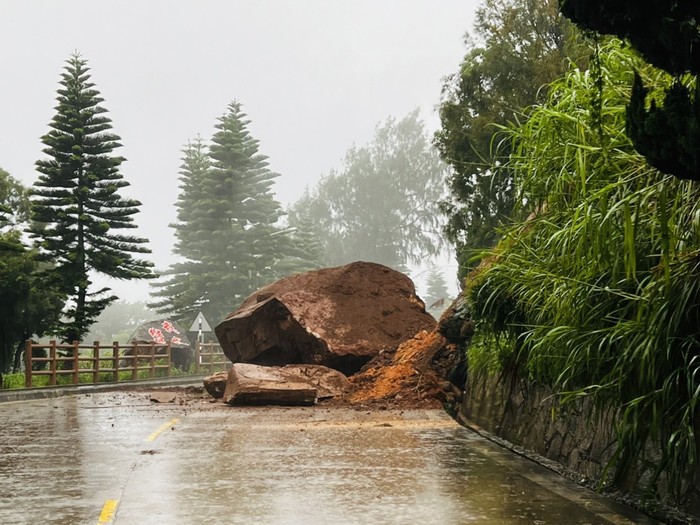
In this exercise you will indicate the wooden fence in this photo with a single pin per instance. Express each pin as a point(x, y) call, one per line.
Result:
point(210, 358)
point(112, 360)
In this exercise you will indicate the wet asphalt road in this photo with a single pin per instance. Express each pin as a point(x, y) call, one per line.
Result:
point(119, 458)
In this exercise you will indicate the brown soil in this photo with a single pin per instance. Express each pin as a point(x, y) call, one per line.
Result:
point(410, 377)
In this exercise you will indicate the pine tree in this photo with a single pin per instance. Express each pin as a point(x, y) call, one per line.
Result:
point(304, 248)
point(180, 294)
point(188, 228)
point(228, 233)
point(76, 204)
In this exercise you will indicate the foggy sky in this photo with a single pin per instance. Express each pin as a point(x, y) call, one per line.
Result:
point(314, 77)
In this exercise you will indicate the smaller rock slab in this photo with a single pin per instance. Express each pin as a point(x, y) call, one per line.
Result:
point(327, 382)
point(163, 397)
point(215, 384)
point(260, 385)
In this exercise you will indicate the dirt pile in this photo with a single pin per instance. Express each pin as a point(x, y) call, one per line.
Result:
point(338, 317)
point(414, 376)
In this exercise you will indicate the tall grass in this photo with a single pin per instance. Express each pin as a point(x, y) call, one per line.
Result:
point(598, 293)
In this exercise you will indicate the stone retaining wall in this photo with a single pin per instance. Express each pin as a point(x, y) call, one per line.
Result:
point(528, 416)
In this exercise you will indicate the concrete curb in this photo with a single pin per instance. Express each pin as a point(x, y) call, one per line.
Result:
point(28, 394)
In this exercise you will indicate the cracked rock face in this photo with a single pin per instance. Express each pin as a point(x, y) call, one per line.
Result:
point(325, 382)
point(248, 384)
point(337, 317)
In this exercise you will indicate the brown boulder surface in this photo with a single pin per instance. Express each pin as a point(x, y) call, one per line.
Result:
point(265, 385)
point(327, 382)
point(215, 384)
point(338, 317)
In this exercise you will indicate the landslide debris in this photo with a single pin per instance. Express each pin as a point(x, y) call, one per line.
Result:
point(413, 376)
point(338, 317)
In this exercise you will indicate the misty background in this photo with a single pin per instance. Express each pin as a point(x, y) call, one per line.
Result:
point(314, 77)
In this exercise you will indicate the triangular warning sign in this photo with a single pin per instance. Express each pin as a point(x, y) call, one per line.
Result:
point(200, 323)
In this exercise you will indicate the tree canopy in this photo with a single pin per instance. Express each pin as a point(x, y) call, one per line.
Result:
point(667, 34)
point(76, 207)
point(30, 304)
point(227, 227)
point(14, 201)
point(382, 205)
point(518, 47)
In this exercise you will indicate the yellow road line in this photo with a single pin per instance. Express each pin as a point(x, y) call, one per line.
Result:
point(163, 427)
point(108, 511)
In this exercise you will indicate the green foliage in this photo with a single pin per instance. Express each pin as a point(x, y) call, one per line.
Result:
point(12, 381)
point(667, 34)
point(597, 293)
point(520, 46)
point(76, 207)
point(382, 205)
point(669, 135)
point(30, 304)
point(226, 226)
point(304, 251)
point(14, 201)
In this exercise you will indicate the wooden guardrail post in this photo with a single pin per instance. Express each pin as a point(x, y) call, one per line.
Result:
point(52, 362)
point(115, 361)
point(95, 361)
point(76, 362)
point(169, 353)
point(152, 370)
point(197, 357)
point(28, 364)
point(135, 362)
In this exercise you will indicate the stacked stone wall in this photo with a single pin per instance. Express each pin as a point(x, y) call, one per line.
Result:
point(529, 416)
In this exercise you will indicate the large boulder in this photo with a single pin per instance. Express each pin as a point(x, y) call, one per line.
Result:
point(338, 317)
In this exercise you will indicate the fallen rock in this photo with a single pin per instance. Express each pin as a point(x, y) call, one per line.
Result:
point(327, 382)
point(215, 384)
point(260, 385)
point(163, 397)
point(338, 317)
